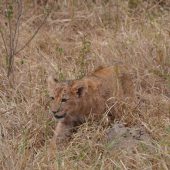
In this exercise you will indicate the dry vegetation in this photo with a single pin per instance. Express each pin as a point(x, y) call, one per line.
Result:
point(78, 36)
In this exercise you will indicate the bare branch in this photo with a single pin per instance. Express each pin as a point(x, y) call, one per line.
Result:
point(11, 48)
point(10, 39)
point(32, 35)
point(16, 33)
point(3, 39)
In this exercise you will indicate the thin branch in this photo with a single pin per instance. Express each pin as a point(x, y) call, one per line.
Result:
point(32, 35)
point(3, 39)
point(16, 33)
point(11, 52)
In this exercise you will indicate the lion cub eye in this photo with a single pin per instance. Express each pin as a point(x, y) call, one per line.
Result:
point(52, 98)
point(63, 100)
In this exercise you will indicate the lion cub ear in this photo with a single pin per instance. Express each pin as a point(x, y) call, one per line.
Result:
point(79, 88)
point(51, 83)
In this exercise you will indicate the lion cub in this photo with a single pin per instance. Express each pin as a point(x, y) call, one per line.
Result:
point(73, 101)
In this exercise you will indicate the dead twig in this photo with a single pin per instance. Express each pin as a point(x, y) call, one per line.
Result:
point(31, 38)
point(11, 39)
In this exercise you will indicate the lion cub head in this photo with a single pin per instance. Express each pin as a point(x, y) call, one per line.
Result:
point(67, 97)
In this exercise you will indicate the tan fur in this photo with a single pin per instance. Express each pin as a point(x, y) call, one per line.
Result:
point(86, 96)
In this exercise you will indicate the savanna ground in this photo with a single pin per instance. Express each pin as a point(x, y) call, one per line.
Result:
point(76, 37)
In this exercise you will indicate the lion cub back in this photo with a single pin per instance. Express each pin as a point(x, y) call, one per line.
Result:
point(116, 79)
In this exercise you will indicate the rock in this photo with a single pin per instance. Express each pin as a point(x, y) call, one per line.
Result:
point(121, 137)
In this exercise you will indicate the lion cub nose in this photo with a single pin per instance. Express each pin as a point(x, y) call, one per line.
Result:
point(54, 112)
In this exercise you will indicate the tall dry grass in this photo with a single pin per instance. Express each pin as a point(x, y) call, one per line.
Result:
point(77, 37)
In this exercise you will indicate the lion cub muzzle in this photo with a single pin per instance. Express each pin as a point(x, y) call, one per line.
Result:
point(61, 116)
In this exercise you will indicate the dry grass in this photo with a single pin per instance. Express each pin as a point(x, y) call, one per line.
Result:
point(76, 38)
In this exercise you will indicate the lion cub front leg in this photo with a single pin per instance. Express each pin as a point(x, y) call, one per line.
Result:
point(63, 131)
